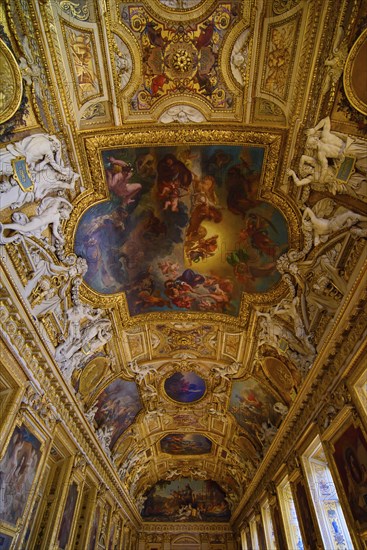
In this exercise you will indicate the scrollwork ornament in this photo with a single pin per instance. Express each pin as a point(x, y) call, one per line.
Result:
point(80, 462)
point(74, 9)
point(341, 396)
point(326, 416)
point(12, 88)
point(281, 6)
point(293, 463)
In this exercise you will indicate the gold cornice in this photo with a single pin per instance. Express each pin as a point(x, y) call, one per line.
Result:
point(36, 355)
point(336, 354)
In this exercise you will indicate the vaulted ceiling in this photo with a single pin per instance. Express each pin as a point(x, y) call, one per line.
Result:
point(204, 297)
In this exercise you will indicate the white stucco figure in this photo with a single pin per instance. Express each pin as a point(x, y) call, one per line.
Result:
point(45, 272)
point(226, 370)
point(276, 335)
point(141, 371)
point(50, 212)
point(91, 413)
point(42, 154)
point(140, 501)
point(84, 341)
point(39, 151)
point(310, 172)
point(182, 114)
point(280, 408)
point(327, 145)
point(323, 228)
point(291, 310)
point(104, 434)
point(323, 156)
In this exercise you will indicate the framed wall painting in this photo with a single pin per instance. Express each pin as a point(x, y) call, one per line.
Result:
point(12, 381)
point(308, 523)
point(19, 471)
point(94, 528)
point(278, 526)
point(68, 516)
point(5, 541)
point(348, 449)
point(358, 383)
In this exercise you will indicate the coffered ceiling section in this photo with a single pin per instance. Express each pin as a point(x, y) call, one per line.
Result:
point(178, 61)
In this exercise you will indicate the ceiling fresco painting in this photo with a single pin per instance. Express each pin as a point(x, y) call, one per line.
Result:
point(185, 387)
point(183, 220)
point(255, 409)
point(117, 407)
point(186, 500)
point(183, 229)
point(185, 444)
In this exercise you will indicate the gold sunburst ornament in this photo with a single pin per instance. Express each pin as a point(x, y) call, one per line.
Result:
point(181, 60)
point(12, 87)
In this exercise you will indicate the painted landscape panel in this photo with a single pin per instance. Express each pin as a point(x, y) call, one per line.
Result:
point(183, 229)
point(186, 444)
point(186, 499)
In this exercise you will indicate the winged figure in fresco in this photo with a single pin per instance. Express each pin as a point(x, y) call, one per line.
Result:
point(173, 180)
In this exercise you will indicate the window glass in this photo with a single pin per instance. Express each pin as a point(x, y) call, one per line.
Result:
point(328, 510)
point(268, 526)
point(253, 530)
point(292, 530)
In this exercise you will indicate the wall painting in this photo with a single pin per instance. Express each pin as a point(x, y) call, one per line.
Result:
point(185, 444)
point(186, 499)
point(118, 406)
point(5, 541)
point(350, 456)
point(253, 407)
point(185, 387)
point(67, 517)
point(17, 472)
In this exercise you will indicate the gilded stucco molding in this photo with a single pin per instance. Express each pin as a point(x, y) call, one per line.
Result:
point(186, 527)
point(35, 357)
point(337, 353)
point(351, 94)
point(27, 22)
point(95, 144)
point(13, 87)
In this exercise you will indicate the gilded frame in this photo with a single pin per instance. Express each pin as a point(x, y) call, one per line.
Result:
point(350, 92)
point(16, 528)
point(97, 192)
point(14, 90)
point(346, 447)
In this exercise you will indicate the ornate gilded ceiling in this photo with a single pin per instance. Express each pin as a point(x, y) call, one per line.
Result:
point(182, 246)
